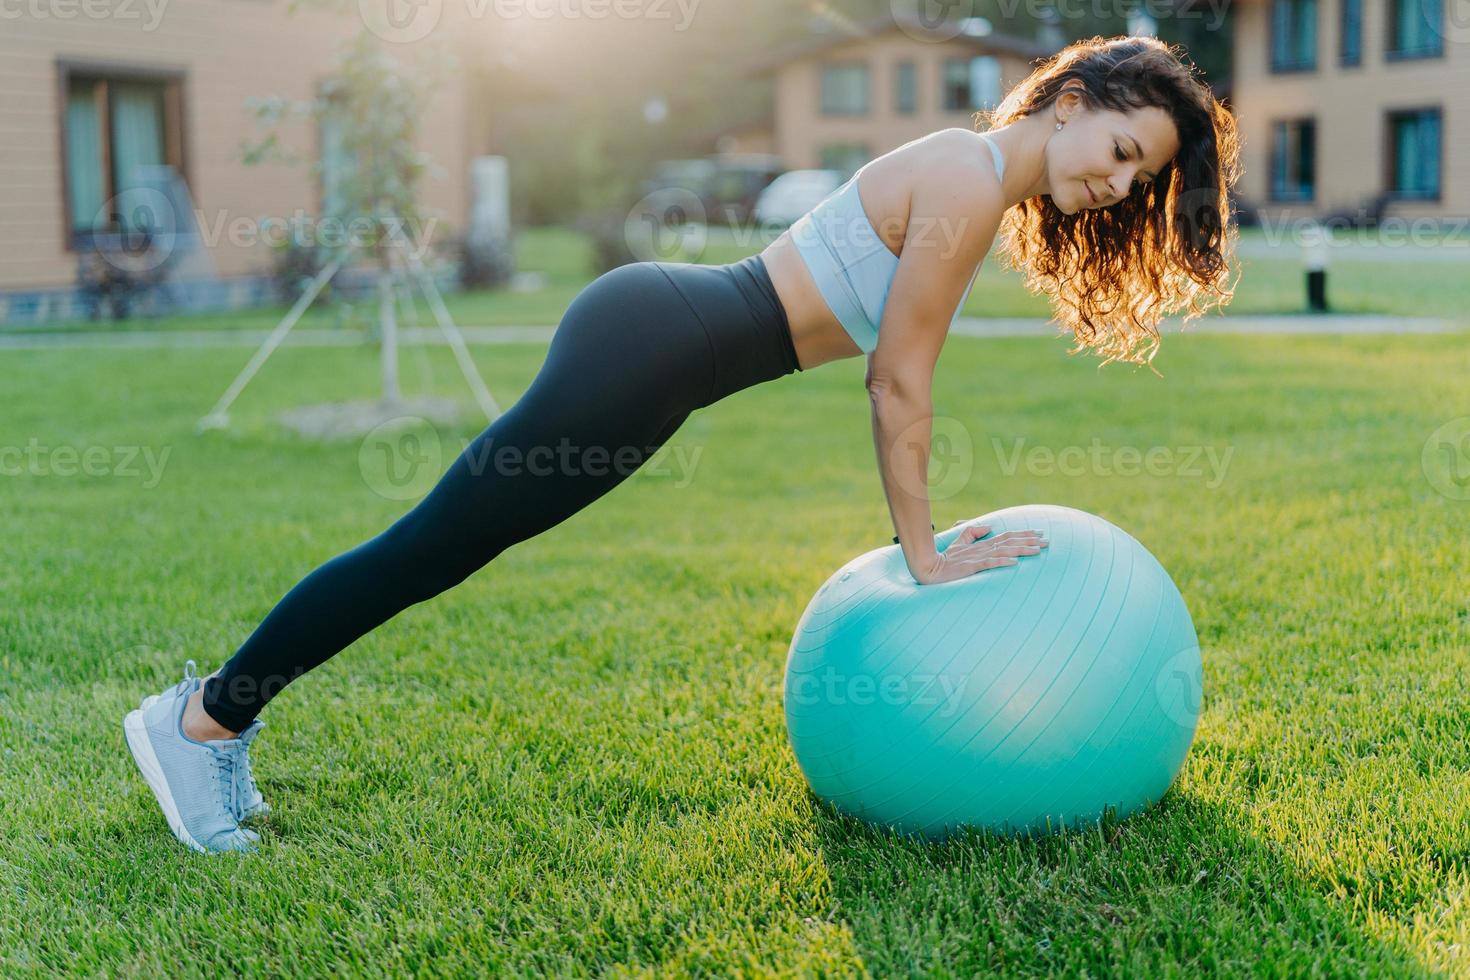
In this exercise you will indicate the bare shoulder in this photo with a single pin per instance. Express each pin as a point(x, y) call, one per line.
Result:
point(945, 173)
point(961, 156)
point(955, 179)
point(952, 152)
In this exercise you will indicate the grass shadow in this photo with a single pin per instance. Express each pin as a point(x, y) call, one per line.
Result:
point(1175, 890)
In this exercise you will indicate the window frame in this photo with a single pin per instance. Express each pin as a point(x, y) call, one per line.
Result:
point(175, 116)
point(1277, 68)
point(867, 70)
point(1343, 60)
point(944, 106)
point(1392, 54)
point(912, 66)
point(1000, 82)
point(1390, 157)
point(1272, 194)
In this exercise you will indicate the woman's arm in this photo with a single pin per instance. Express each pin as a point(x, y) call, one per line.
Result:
point(901, 435)
point(954, 212)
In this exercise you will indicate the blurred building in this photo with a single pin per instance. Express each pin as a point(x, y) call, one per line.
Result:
point(90, 103)
point(844, 97)
point(1353, 108)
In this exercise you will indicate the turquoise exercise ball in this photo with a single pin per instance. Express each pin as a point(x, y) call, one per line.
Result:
point(1024, 699)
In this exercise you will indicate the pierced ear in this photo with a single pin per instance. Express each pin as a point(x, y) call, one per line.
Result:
point(1070, 89)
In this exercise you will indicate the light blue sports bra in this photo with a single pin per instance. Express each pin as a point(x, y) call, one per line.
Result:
point(851, 265)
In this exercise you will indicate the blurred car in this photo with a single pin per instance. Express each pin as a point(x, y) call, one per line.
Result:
point(685, 175)
point(727, 186)
point(737, 184)
point(794, 193)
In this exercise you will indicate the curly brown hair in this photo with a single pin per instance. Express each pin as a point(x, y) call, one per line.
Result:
point(1114, 272)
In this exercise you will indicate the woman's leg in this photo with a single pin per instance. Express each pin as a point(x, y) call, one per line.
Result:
point(627, 365)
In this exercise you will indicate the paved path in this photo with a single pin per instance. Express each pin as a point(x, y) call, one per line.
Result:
point(966, 327)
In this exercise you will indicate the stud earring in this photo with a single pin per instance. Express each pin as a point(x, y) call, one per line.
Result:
point(1059, 125)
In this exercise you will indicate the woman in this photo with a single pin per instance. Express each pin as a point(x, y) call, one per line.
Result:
point(1106, 171)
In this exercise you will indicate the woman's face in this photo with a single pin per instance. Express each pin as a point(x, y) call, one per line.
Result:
point(1099, 155)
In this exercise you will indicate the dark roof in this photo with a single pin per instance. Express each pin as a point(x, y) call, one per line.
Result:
point(993, 42)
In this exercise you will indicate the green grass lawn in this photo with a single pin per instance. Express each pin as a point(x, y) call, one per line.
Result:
point(576, 761)
point(1267, 286)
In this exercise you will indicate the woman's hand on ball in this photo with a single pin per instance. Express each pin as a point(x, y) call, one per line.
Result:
point(972, 552)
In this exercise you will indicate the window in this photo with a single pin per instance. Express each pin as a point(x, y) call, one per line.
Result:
point(1415, 29)
point(906, 88)
point(1414, 153)
point(1350, 35)
point(845, 157)
point(1293, 159)
point(984, 82)
point(971, 83)
point(1293, 35)
point(119, 128)
point(335, 164)
point(844, 89)
point(956, 85)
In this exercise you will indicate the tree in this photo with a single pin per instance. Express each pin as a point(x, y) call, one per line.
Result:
point(367, 115)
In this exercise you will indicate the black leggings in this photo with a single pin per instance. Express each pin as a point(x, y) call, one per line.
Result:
point(638, 349)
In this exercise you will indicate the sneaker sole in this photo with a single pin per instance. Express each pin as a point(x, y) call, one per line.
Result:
point(142, 750)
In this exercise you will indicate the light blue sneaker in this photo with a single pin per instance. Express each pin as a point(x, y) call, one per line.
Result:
point(249, 801)
point(195, 783)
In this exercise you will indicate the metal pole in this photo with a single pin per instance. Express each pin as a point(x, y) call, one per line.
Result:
point(388, 323)
point(454, 337)
point(218, 417)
